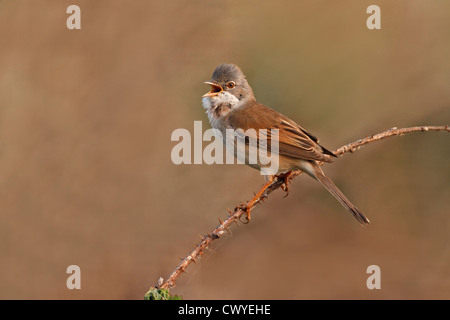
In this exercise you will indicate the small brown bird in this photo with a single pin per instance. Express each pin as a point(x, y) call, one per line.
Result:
point(231, 104)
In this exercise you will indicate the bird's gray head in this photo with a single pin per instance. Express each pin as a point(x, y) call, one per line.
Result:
point(228, 84)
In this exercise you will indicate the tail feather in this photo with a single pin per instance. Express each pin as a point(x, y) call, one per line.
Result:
point(331, 187)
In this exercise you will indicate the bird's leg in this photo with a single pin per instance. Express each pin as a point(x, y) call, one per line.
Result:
point(257, 197)
point(286, 177)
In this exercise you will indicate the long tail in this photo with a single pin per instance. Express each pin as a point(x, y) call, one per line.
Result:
point(331, 187)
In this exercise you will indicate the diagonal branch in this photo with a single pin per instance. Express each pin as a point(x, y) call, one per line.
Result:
point(246, 207)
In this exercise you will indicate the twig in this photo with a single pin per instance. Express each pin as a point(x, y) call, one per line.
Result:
point(352, 147)
point(246, 207)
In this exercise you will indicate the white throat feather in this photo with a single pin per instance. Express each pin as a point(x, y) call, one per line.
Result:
point(219, 106)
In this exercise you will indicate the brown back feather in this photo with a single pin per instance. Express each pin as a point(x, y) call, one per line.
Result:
point(294, 141)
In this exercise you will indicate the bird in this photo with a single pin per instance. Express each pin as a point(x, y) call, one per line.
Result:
point(231, 104)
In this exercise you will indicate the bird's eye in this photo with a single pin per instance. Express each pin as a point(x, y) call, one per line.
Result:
point(231, 84)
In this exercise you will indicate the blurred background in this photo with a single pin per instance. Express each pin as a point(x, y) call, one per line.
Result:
point(86, 176)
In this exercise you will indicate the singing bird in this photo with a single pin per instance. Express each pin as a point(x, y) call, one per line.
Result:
point(231, 104)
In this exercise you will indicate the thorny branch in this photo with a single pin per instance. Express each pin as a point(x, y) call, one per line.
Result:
point(246, 207)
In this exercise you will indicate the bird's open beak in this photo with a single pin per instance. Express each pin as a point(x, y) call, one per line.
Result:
point(215, 89)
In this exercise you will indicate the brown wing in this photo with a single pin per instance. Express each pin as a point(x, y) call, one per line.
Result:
point(294, 141)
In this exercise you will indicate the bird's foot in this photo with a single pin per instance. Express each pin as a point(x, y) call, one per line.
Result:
point(258, 197)
point(286, 177)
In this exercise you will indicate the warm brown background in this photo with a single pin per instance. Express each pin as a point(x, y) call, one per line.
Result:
point(86, 176)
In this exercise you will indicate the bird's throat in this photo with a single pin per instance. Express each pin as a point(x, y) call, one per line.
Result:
point(219, 106)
